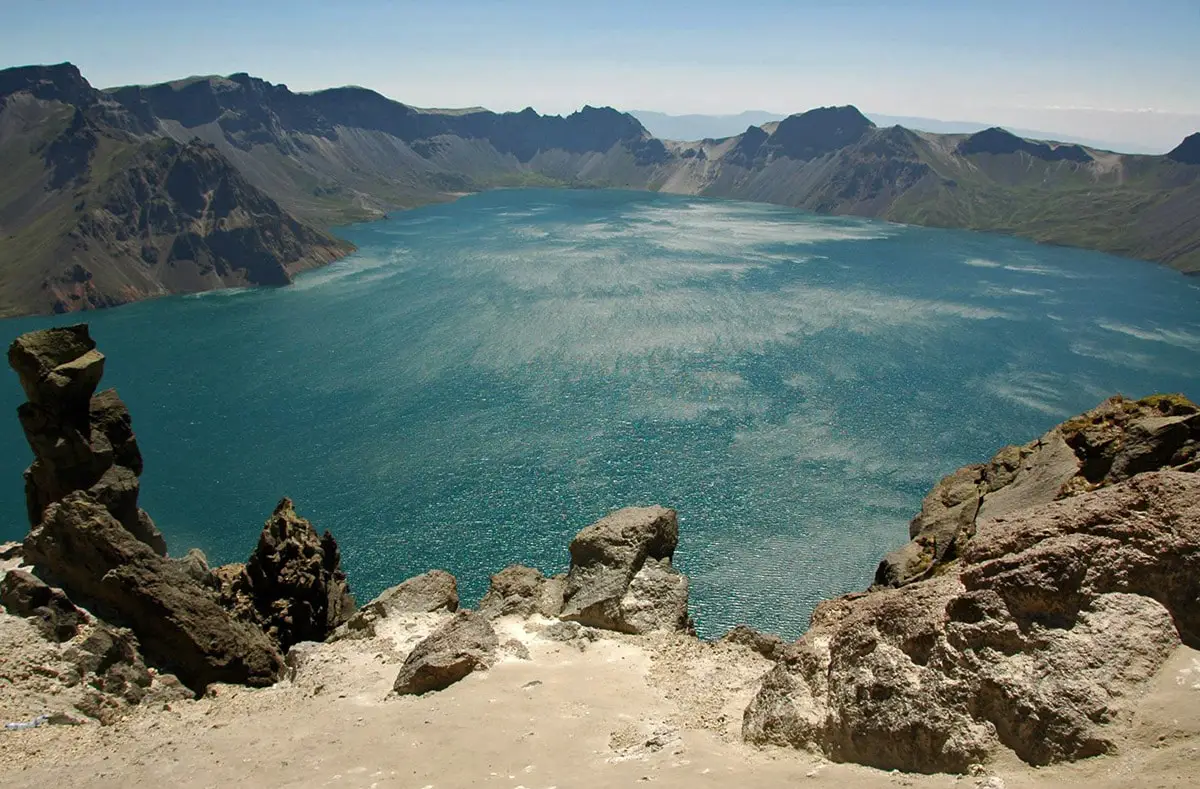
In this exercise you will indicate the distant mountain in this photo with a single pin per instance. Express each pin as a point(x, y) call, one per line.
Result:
point(110, 196)
point(1188, 151)
point(970, 127)
point(699, 127)
point(97, 209)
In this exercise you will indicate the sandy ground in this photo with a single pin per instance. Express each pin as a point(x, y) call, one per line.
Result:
point(661, 710)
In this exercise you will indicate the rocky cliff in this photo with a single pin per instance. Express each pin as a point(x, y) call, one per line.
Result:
point(98, 208)
point(93, 214)
point(1042, 598)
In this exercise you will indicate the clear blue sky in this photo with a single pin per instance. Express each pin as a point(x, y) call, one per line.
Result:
point(1019, 62)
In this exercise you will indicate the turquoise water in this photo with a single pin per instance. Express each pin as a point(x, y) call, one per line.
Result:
point(484, 378)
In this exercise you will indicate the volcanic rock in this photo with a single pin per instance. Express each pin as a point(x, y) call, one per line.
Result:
point(522, 591)
point(768, 645)
point(293, 585)
point(1104, 446)
point(180, 624)
point(609, 555)
point(1050, 624)
point(79, 442)
point(464, 644)
point(55, 615)
point(436, 590)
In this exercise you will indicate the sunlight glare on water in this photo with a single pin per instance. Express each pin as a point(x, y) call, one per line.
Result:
point(482, 379)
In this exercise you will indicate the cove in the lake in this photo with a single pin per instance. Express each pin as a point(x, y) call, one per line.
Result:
point(484, 378)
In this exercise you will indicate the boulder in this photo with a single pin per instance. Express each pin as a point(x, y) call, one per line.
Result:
point(181, 626)
point(58, 368)
point(607, 556)
point(464, 644)
point(436, 590)
point(768, 645)
point(195, 564)
point(522, 591)
point(55, 615)
point(79, 441)
point(1104, 446)
point(657, 599)
point(1051, 622)
point(293, 585)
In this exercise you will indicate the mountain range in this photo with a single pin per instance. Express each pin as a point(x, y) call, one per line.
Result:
point(114, 195)
point(697, 127)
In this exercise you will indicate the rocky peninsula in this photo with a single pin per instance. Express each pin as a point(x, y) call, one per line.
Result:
point(1040, 629)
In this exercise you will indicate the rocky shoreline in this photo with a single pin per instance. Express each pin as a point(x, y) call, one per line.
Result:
point(1042, 597)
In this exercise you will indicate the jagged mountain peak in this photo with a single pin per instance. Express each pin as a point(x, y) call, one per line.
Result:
point(57, 82)
point(1001, 141)
point(819, 131)
point(1188, 151)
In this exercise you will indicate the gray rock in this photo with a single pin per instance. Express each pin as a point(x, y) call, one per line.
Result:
point(1107, 445)
point(436, 590)
point(768, 645)
point(1053, 618)
point(515, 648)
point(195, 564)
point(657, 599)
point(522, 591)
point(605, 559)
point(563, 631)
point(55, 615)
point(464, 644)
point(181, 626)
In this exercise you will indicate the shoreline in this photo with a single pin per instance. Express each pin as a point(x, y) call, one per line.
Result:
point(455, 196)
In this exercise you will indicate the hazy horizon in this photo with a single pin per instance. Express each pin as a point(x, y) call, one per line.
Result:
point(1123, 73)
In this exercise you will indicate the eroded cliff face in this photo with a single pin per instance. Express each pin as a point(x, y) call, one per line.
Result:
point(1041, 594)
point(99, 209)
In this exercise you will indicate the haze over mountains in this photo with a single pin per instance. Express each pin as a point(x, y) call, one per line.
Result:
point(111, 196)
point(699, 126)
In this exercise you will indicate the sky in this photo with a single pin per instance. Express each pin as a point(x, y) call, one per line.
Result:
point(1124, 70)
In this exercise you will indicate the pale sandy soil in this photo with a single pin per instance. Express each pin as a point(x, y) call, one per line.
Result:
point(615, 711)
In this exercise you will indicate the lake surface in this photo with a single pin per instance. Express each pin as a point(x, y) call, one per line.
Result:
point(482, 379)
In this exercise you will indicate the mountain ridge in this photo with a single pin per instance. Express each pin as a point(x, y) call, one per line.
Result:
point(306, 161)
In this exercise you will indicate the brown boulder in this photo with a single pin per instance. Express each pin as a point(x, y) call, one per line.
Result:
point(180, 624)
point(1104, 446)
point(768, 645)
point(55, 615)
point(605, 559)
point(436, 590)
point(1052, 621)
point(79, 442)
point(464, 644)
point(522, 591)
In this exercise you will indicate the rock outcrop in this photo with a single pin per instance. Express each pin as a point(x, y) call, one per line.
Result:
point(293, 585)
point(768, 645)
point(26, 595)
point(79, 441)
point(523, 591)
point(1104, 446)
point(1051, 622)
point(431, 592)
point(181, 626)
point(621, 577)
point(464, 644)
